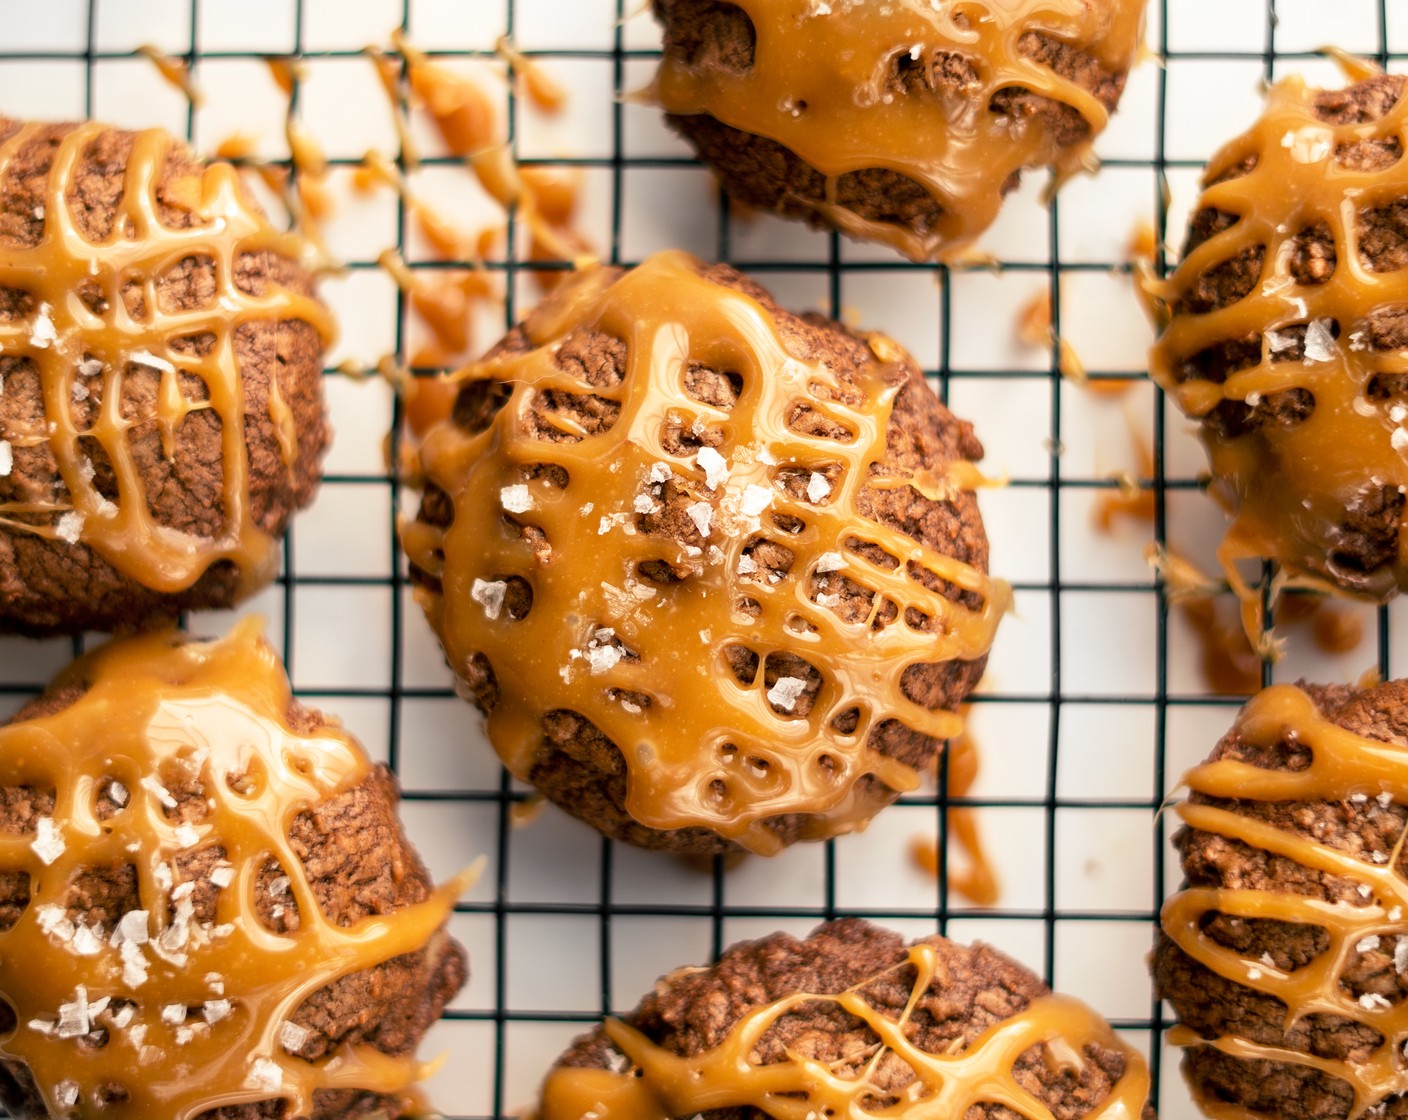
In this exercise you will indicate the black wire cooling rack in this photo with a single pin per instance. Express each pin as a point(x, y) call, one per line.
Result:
point(1079, 750)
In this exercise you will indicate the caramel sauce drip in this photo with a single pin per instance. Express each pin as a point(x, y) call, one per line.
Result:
point(176, 72)
point(1289, 487)
point(701, 749)
point(824, 84)
point(63, 333)
point(978, 881)
point(943, 1086)
point(1343, 766)
point(159, 709)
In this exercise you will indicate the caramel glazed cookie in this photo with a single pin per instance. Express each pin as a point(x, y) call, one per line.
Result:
point(904, 122)
point(208, 908)
point(714, 572)
point(161, 411)
point(1286, 337)
point(851, 1022)
point(1285, 955)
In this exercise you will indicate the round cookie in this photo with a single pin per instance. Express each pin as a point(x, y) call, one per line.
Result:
point(848, 1022)
point(714, 572)
point(904, 123)
point(1285, 954)
point(207, 904)
point(1286, 323)
point(161, 410)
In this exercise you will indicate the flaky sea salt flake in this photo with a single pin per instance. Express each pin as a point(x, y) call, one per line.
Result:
point(747, 565)
point(644, 503)
point(603, 658)
point(489, 594)
point(293, 1037)
point(187, 836)
point(42, 333)
point(817, 488)
point(213, 1010)
point(7, 458)
point(69, 527)
point(660, 472)
point(1367, 944)
point(755, 499)
point(147, 358)
point(1372, 1001)
point(86, 942)
point(48, 843)
point(265, 1075)
point(1319, 342)
point(159, 791)
point(134, 965)
point(714, 466)
point(830, 562)
point(785, 692)
point(117, 793)
point(66, 1094)
point(222, 876)
point(701, 513)
point(515, 498)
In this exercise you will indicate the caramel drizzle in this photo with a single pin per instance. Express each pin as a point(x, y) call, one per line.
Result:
point(158, 709)
point(800, 1088)
point(1288, 489)
point(141, 248)
point(818, 85)
point(1343, 765)
point(705, 750)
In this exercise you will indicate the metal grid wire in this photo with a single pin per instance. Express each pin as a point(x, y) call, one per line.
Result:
point(564, 925)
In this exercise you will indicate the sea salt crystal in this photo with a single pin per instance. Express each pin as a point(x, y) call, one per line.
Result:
point(1400, 955)
point(785, 692)
point(159, 791)
point(147, 358)
point(747, 565)
point(184, 1035)
point(1399, 439)
point(516, 499)
point(124, 1015)
point(766, 456)
point(173, 1014)
point(48, 843)
point(602, 658)
point(66, 1094)
point(1254, 974)
point(755, 499)
point(1359, 798)
point(213, 1010)
point(644, 503)
point(1280, 340)
point(42, 334)
point(7, 458)
point(80, 391)
point(714, 466)
point(131, 927)
point(1371, 1001)
point(660, 472)
point(222, 877)
point(1384, 799)
point(1319, 342)
point(117, 794)
point(489, 594)
point(86, 942)
point(69, 527)
point(278, 886)
point(187, 835)
point(1367, 944)
point(830, 562)
point(817, 488)
point(292, 1036)
point(90, 367)
point(43, 1026)
point(1379, 857)
point(1365, 890)
point(74, 1019)
point(264, 1075)
point(134, 964)
point(701, 513)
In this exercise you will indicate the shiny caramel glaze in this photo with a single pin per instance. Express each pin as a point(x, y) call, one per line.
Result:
point(1343, 766)
point(827, 82)
point(660, 1084)
point(1291, 482)
point(62, 333)
point(645, 661)
point(155, 711)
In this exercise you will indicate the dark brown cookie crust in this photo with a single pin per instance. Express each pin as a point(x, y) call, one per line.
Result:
point(1367, 539)
point(359, 863)
point(577, 766)
point(53, 587)
point(1212, 1005)
point(716, 35)
point(693, 1010)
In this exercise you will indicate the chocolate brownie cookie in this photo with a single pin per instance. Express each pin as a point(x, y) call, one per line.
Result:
point(905, 122)
point(848, 1022)
point(1285, 955)
point(161, 411)
point(208, 907)
point(1285, 326)
point(714, 572)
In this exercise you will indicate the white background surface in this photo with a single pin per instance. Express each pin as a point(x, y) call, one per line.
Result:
point(1091, 708)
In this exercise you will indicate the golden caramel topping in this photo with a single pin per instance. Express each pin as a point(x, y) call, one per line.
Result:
point(1343, 767)
point(195, 1013)
point(176, 72)
point(825, 84)
point(70, 344)
point(943, 1085)
point(646, 660)
point(1289, 484)
point(976, 882)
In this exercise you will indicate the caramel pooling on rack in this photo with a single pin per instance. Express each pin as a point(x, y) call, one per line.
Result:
point(645, 661)
point(160, 709)
point(71, 346)
point(822, 80)
point(944, 1086)
point(1289, 486)
point(1343, 766)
